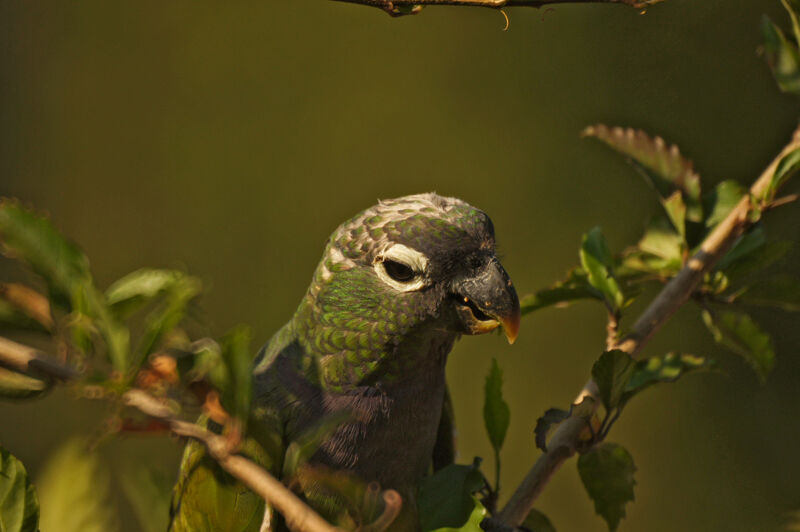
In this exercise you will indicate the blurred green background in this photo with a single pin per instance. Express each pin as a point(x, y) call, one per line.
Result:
point(230, 139)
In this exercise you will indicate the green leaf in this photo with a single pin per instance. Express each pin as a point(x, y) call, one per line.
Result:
point(607, 474)
point(662, 165)
point(721, 201)
point(676, 211)
point(140, 287)
point(654, 370)
point(780, 291)
point(19, 506)
point(538, 522)
point(755, 260)
point(782, 57)
point(238, 359)
point(611, 372)
point(15, 385)
point(739, 333)
point(788, 166)
point(793, 8)
point(74, 490)
point(474, 520)
point(33, 239)
point(148, 491)
point(549, 420)
point(576, 286)
point(299, 451)
point(745, 245)
point(181, 290)
point(445, 498)
point(496, 414)
point(597, 261)
point(660, 250)
point(554, 417)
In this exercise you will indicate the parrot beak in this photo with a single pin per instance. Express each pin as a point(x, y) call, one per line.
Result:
point(487, 301)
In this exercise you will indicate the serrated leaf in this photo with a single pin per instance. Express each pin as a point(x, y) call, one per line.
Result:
point(597, 261)
point(148, 491)
point(656, 370)
point(739, 333)
point(662, 165)
point(74, 491)
point(607, 474)
point(719, 203)
point(576, 286)
point(299, 451)
point(611, 373)
point(496, 414)
point(446, 497)
point(538, 522)
point(780, 291)
point(15, 385)
point(782, 57)
point(19, 505)
point(238, 359)
point(788, 166)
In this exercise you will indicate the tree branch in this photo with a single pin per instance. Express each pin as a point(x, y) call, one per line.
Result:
point(398, 8)
point(299, 516)
point(676, 292)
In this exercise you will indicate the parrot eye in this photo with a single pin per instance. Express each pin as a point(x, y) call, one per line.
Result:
point(398, 271)
point(402, 268)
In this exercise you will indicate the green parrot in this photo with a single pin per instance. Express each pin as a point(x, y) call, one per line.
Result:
point(397, 285)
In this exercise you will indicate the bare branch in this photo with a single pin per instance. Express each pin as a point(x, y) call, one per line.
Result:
point(26, 359)
point(412, 7)
point(676, 292)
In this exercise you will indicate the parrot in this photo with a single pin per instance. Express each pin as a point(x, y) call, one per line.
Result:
point(397, 285)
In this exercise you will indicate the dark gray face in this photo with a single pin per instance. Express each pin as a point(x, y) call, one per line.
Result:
point(435, 254)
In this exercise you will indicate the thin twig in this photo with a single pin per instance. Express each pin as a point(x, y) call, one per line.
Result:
point(412, 7)
point(28, 360)
point(674, 294)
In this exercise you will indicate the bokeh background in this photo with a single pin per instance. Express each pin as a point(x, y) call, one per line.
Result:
point(229, 139)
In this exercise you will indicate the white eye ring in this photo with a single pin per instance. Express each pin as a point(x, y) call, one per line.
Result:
point(411, 258)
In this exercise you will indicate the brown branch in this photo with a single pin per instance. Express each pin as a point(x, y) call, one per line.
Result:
point(28, 360)
point(676, 292)
point(412, 7)
point(299, 516)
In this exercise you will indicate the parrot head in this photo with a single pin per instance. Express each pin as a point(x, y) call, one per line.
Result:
point(398, 283)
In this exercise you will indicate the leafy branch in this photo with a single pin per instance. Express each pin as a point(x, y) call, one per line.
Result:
point(617, 376)
point(223, 449)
